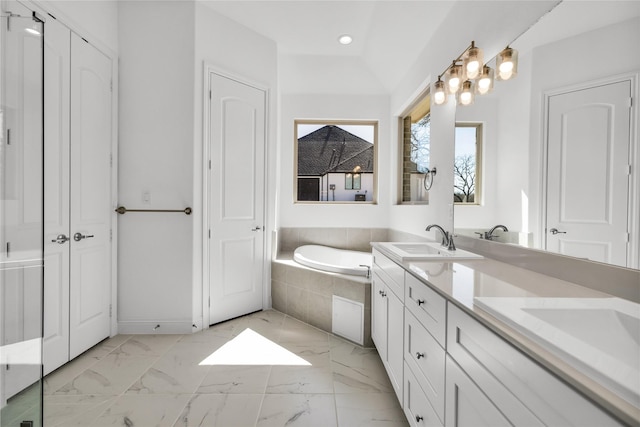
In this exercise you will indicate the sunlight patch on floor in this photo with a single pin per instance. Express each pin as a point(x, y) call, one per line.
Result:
point(251, 348)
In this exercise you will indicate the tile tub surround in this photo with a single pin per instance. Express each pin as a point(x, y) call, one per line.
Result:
point(159, 382)
point(355, 239)
point(306, 294)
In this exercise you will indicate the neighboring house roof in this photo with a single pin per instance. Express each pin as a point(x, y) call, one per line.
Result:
point(333, 149)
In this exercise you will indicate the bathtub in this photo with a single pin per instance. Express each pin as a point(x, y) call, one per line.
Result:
point(334, 260)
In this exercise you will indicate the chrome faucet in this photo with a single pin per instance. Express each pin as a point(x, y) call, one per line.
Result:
point(488, 235)
point(447, 238)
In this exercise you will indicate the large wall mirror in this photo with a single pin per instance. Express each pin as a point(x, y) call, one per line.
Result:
point(559, 139)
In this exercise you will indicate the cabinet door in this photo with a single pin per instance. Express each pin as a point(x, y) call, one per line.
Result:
point(416, 406)
point(395, 342)
point(466, 404)
point(90, 211)
point(57, 59)
point(379, 316)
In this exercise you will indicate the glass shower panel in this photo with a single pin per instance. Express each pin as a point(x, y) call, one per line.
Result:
point(21, 216)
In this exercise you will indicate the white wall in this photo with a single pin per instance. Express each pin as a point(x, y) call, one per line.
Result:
point(332, 107)
point(155, 253)
point(236, 50)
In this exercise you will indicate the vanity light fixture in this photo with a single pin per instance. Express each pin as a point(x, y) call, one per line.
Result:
point(468, 75)
point(466, 95)
point(439, 92)
point(484, 83)
point(473, 62)
point(453, 76)
point(507, 63)
point(345, 39)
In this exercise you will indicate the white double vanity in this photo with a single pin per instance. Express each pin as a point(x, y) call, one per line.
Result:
point(476, 342)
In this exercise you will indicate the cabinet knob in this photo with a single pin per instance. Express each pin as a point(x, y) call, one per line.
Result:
point(420, 302)
point(419, 355)
point(419, 418)
point(383, 293)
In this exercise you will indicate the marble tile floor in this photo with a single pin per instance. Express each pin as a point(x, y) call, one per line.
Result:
point(158, 380)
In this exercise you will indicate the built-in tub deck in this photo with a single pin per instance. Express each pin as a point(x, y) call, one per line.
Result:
point(306, 294)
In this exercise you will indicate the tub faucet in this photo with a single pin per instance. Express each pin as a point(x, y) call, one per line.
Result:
point(489, 234)
point(447, 238)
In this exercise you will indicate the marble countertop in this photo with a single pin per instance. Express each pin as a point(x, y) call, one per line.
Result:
point(465, 282)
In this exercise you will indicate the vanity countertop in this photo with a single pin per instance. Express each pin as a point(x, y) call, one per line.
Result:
point(478, 285)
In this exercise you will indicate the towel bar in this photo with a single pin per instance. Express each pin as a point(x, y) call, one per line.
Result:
point(122, 210)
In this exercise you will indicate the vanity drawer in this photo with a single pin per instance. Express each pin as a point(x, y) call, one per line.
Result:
point(416, 405)
point(426, 359)
point(390, 272)
point(428, 307)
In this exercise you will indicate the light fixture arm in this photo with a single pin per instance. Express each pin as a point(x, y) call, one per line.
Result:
point(458, 59)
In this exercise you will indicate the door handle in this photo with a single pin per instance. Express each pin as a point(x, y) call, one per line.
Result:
point(79, 236)
point(256, 228)
point(60, 239)
point(555, 231)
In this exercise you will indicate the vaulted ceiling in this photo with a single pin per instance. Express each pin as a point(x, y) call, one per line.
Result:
point(387, 34)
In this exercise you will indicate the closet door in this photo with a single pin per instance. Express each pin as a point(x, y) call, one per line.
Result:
point(57, 59)
point(90, 184)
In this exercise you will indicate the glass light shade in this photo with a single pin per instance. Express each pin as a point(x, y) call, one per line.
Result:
point(453, 78)
point(473, 62)
point(484, 84)
point(466, 95)
point(507, 64)
point(439, 92)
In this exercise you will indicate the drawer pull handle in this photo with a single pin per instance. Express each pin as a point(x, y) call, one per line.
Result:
point(419, 418)
point(419, 355)
point(420, 302)
point(382, 293)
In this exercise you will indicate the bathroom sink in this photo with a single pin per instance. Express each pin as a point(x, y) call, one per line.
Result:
point(599, 336)
point(423, 251)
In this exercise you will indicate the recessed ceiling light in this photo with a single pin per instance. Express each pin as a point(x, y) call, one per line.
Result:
point(345, 39)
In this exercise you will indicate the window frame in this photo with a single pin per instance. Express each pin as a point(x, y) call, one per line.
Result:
point(346, 122)
point(421, 103)
point(478, 184)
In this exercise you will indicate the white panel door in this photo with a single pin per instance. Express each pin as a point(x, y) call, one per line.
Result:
point(56, 212)
point(588, 173)
point(90, 272)
point(236, 198)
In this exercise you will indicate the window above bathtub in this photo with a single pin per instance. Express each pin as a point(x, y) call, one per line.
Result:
point(335, 161)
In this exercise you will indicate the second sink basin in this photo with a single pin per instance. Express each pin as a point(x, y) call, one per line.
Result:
point(424, 251)
point(599, 336)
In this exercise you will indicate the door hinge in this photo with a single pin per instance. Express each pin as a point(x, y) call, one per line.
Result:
point(111, 85)
point(111, 160)
point(209, 94)
point(209, 164)
point(8, 249)
point(8, 136)
point(209, 301)
point(628, 237)
point(110, 310)
point(209, 233)
point(628, 169)
point(630, 102)
point(111, 235)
